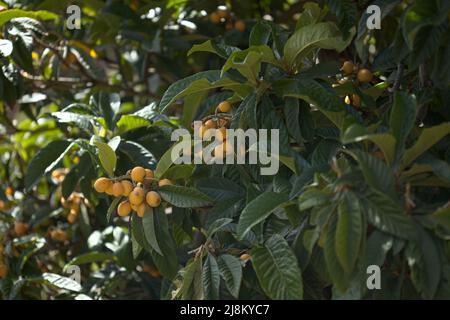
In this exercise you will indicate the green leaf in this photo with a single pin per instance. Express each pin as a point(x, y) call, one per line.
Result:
point(84, 122)
point(107, 157)
point(220, 188)
point(248, 61)
point(94, 256)
point(385, 141)
point(376, 173)
point(347, 13)
point(131, 122)
point(260, 34)
point(231, 271)
point(428, 138)
point(217, 225)
point(148, 222)
point(192, 286)
point(196, 83)
point(422, 13)
point(61, 282)
point(109, 105)
point(323, 35)
point(291, 111)
point(164, 163)
point(316, 94)
point(311, 14)
point(112, 208)
point(277, 270)
point(442, 216)
point(137, 153)
point(387, 215)
point(184, 197)
point(45, 161)
point(258, 210)
point(401, 121)
point(337, 273)
point(222, 50)
point(7, 15)
point(211, 278)
point(181, 171)
point(349, 231)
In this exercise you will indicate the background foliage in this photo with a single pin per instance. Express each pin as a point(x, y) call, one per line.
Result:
point(365, 165)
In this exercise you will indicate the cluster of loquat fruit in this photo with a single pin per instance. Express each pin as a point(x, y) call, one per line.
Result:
point(137, 186)
point(350, 72)
point(220, 122)
point(222, 15)
point(73, 203)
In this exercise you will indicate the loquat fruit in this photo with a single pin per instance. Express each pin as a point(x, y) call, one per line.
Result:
point(245, 257)
point(348, 67)
point(117, 189)
point(224, 106)
point(136, 196)
point(127, 187)
point(124, 208)
point(141, 210)
point(153, 199)
point(364, 75)
point(138, 174)
point(20, 228)
point(101, 184)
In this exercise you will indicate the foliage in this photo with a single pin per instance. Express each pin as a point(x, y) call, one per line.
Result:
point(364, 176)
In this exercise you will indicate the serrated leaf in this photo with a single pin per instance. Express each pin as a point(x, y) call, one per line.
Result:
point(138, 154)
point(148, 222)
point(349, 231)
point(323, 35)
point(277, 270)
point(184, 197)
point(211, 278)
point(107, 157)
point(45, 161)
point(427, 138)
point(231, 271)
point(258, 210)
point(7, 15)
point(130, 122)
point(84, 122)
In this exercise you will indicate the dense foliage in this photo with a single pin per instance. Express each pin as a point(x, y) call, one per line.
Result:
point(363, 118)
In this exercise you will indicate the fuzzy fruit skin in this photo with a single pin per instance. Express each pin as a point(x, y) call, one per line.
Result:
point(3, 271)
point(101, 184)
point(221, 133)
point(224, 106)
point(20, 228)
point(356, 100)
point(164, 182)
point(136, 196)
point(138, 174)
point(222, 150)
point(153, 199)
point(141, 210)
point(364, 75)
point(348, 67)
point(127, 187)
point(117, 189)
point(210, 124)
point(149, 174)
point(124, 208)
point(109, 190)
point(240, 25)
